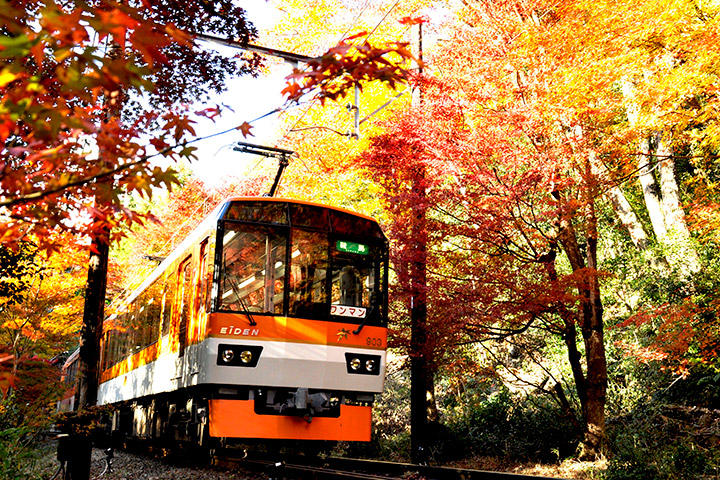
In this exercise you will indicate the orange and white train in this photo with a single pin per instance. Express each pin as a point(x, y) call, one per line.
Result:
point(269, 321)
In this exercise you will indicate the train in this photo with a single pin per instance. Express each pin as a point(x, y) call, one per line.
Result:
point(68, 379)
point(269, 321)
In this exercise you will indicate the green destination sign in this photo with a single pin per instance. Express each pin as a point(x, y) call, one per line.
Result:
point(352, 247)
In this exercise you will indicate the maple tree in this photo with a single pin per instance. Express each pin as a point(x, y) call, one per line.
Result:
point(44, 321)
point(500, 216)
point(59, 82)
point(658, 69)
point(175, 216)
point(547, 121)
point(512, 198)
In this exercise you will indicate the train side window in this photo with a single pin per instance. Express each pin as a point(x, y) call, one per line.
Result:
point(185, 301)
point(134, 332)
point(112, 348)
point(126, 333)
point(209, 272)
point(103, 351)
point(142, 325)
point(168, 300)
point(253, 269)
point(308, 273)
point(154, 306)
point(202, 278)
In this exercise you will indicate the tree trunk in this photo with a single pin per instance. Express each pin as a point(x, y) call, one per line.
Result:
point(593, 334)
point(592, 387)
point(92, 324)
point(622, 208)
point(418, 317)
point(629, 219)
point(678, 239)
point(596, 378)
point(651, 192)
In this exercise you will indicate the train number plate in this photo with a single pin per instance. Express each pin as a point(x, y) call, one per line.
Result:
point(345, 311)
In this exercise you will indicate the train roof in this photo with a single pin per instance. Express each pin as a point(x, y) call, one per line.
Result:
point(209, 222)
point(298, 202)
point(72, 357)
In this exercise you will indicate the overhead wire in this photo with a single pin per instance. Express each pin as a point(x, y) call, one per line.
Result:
point(313, 103)
point(354, 23)
point(310, 104)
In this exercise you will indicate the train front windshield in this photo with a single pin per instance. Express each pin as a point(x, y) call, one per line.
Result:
point(302, 261)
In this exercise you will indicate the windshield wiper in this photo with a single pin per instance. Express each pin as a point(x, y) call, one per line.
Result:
point(244, 306)
point(247, 312)
point(362, 324)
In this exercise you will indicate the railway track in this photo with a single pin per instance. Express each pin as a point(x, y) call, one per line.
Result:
point(301, 468)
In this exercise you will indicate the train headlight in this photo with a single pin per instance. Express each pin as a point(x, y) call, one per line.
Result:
point(355, 363)
point(227, 355)
point(238, 355)
point(363, 364)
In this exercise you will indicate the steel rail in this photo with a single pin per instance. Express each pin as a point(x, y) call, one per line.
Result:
point(357, 469)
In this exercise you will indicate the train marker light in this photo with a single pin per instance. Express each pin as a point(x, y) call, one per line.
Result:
point(370, 365)
point(355, 363)
point(246, 356)
point(228, 355)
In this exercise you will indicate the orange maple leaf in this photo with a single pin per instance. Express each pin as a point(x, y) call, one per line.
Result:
point(245, 129)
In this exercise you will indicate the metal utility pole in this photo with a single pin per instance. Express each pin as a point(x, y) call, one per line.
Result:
point(282, 155)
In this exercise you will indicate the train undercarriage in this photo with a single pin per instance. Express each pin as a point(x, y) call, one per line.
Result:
point(201, 416)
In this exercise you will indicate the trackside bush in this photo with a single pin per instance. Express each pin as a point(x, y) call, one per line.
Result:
point(527, 428)
point(660, 442)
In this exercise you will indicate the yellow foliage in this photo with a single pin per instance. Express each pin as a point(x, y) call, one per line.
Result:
point(48, 320)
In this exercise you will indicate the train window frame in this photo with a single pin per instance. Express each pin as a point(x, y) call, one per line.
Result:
point(168, 300)
point(376, 313)
point(272, 233)
point(325, 311)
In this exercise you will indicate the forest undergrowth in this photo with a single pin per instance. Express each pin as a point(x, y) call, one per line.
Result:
point(667, 433)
